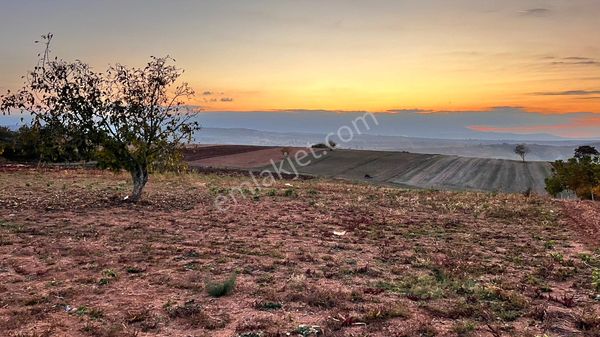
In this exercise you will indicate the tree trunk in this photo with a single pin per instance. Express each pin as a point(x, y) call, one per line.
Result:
point(139, 175)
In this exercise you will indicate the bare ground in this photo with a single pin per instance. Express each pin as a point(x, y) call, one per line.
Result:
point(383, 167)
point(354, 260)
point(251, 157)
point(584, 218)
point(431, 171)
point(198, 152)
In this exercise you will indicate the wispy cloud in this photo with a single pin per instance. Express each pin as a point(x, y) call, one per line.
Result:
point(535, 12)
point(591, 63)
point(568, 93)
point(226, 99)
point(576, 60)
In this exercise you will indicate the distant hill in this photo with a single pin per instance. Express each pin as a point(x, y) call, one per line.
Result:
point(411, 170)
point(541, 150)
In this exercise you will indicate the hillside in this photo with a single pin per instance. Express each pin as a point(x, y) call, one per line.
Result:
point(385, 167)
point(431, 171)
point(313, 257)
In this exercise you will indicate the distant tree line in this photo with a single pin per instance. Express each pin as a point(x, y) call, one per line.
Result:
point(580, 174)
point(43, 144)
point(36, 143)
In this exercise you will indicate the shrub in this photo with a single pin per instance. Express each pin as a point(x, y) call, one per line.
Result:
point(220, 289)
point(386, 312)
point(290, 192)
point(108, 276)
point(419, 288)
point(464, 328)
point(596, 279)
point(266, 305)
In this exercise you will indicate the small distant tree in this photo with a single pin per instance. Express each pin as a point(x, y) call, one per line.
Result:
point(580, 174)
point(329, 145)
point(522, 150)
point(131, 116)
point(586, 151)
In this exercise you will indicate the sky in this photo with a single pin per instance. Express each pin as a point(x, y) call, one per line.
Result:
point(538, 57)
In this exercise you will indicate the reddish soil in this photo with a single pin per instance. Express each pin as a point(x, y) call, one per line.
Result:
point(354, 260)
point(234, 156)
point(584, 217)
point(193, 153)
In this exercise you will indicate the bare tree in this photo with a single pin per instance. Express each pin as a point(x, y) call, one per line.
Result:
point(522, 150)
point(133, 114)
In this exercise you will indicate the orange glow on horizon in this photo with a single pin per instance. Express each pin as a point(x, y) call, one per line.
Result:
point(433, 83)
point(274, 103)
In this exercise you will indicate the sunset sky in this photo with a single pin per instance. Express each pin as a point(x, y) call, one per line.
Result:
point(541, 56)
